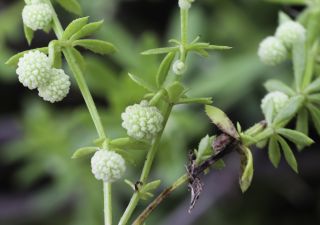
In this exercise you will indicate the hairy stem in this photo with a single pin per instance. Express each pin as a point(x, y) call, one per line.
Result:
point(146, 170)
point(71, 60)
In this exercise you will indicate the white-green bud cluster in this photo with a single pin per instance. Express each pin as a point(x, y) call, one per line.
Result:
point(276, 99)
point(290, 32)
point(37, 15)
point(179, 67)
point(35, 71)
point(107, 165)
point(58, 87)
point(272, 51)
point(142, 121)
point(185, 4)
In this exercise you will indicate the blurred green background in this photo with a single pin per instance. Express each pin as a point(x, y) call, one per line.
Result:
point(40, 184)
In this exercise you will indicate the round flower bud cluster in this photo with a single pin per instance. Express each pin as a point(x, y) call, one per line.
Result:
point(276, 99)
point(107, 165)
point(185, 4)
point(34, 71)
point(179, 67)
point(290, 32)
point(142, 121)
point(274, 49)
point(37, 15)
point(57, 88)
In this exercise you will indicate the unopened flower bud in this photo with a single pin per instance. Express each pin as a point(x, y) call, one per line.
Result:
point(107, 165)
point(37, 16)
point(179, 67)
point(185, 4)
point(276, 99)
point(33, 69)
point(272, 51)
point(290, 32)
point(142, 121)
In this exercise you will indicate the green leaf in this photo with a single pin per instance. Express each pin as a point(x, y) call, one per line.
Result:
point(274, 152)
point(314, 98)
point(128, 156)
point(151, 186)
point(13, 61)
point(247, 169)
point(205, 101)
point(28, 33)
point(269, 112)
point(87, 30)
point(289, 111)
point(302, 123)
point(142, 83)
point(55, 54)
point(129, 144)
point(283, 17)
point(74, 27)
point(222, 121)
point(288, 154)
point(295, 136)
point(81, 152)
point(315, 115)
point(131, 184)
point(298, 58)
point(164, 68)
point(204, 149)
point(218, 165)
point(157, 51)
point(313, 87)
point(247, 139)
point(96, 46)
point(72, 6)
point(265, 134)
point(175, 91)
point(276, 85)
point(289, 2)
point(79, 58)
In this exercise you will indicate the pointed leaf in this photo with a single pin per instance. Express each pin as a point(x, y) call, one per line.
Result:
point(79, 58)
point(274, 152)
point(72, 6)
point(276, 85)
point(247, 169)
point(295, 136)
point(315, 115)
point(313, 87)
point(289, 2)
point(175, 91)
point(302, 124)
point(13, 61)
point(283, 17)
point(288, 154)
point(156, 51)
point(55, 54)
point(28, 33)
point(142, 83)
point(129, 144)
point(164, 68)
point(151, 186)
point(298, 58)
point(222, 121)
point(81, 152)
point(96, 46)
point(314, 98)
point(74, 27)
point(87, 30)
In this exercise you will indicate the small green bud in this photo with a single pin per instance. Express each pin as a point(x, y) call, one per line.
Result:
point(185, 4)
point(33, 69)
point(290, 32)
point(179, 67)
point(57, 88)
point(278, 101)
point(37, 16)
point(142, 121)
point(107, 165)
point(272, 51)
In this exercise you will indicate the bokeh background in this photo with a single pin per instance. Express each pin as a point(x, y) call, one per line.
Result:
point(40, 184)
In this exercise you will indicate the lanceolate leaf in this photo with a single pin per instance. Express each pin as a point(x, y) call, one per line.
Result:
point(74, 27)
point(283, 17)
point(164, 68)
point(13, 61)
point(315, 115)
point(302, 124)
point(55, 54)
point(289, 2)
point(81, 152)
point(288, 154)
point(222, 121)
point(142, 83)
point(298, 58)
point(289, 111)
point(28, 33)
point(276, 85)
point(175, 91)
point(129, 144)
point(96, 46)
point(295, 136)
point(87, 30)
point(247, 169)
point(313, 87)
point(72, 6)
point(274, 151)
point(156, 51)
point(79, 58)
point(315, 98)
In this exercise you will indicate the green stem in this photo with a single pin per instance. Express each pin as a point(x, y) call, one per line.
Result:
point(71, 60)
point(146, 170)
point(184, 33)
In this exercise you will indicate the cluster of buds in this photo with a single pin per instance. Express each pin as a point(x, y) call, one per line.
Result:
point(275, 99)
point(35, 71)
point(274, 49)
point(37, 15)
point(107, 165)
point(142, 121)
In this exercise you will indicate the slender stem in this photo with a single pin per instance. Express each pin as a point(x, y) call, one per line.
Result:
point(145, 171)
point(162, 196)
point(71, 60)
point(184, 33)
